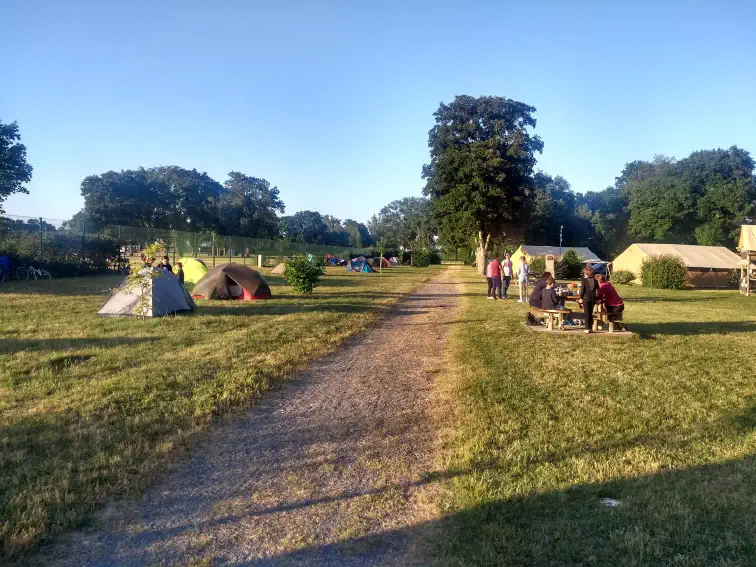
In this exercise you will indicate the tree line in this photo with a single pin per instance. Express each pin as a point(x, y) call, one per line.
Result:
point(486, 193)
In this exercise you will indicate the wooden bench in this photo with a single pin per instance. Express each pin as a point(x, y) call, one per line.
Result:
point(551, 316)
point(600, 315)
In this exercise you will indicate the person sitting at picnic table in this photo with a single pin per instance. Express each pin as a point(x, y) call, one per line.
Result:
point(536, 297)
point(609, 297)
point(549, 298)
point(589, 294)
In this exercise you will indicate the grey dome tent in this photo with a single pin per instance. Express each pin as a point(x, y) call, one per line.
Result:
point(163, 295)
point(359, 265)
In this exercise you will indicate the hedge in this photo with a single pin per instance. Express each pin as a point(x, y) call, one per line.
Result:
point(664, 271)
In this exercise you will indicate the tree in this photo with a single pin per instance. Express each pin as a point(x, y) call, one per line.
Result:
point(304, 226)
point(407, 223)
point(193, 197)
point(14, 171)
point(359, 235)
point(247, 207)
point(480, 175)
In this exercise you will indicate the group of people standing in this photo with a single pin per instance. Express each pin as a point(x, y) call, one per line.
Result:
point(594, 289)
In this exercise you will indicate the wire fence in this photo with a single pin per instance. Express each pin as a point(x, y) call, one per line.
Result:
point(54, 241)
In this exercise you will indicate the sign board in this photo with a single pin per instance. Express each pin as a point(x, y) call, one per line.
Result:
point(550, 263)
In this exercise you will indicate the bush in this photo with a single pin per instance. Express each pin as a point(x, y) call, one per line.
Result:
point(537, 266)
point(623, 277)
point(572, 264)
point(302, 274)
point(421, 258)
point(664, 271)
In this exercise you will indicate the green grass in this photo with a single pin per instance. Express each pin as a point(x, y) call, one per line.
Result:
point(545, 426)
point(91, 407)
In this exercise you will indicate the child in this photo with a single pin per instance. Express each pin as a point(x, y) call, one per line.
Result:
point(180, 272)
point(166, 265)
point(549, 299)
point(523, 272)
point(507, 269)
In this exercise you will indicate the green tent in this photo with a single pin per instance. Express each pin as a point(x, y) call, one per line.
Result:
point(193, 269)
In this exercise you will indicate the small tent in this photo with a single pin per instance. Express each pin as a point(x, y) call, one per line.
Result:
point(377, 261)
point(532, 251)
point(278, 270)
point(359, 265)
point(708, 266)
point(232, 281)
point(163, 295)
point(393, 261)
point(194, 269)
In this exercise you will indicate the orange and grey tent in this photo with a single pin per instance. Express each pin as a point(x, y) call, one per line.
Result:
point(377, 261)
point(232, 281)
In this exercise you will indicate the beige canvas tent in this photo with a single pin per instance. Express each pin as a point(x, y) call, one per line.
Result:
point(708, 266)
point(747, 247)
point(747, 241)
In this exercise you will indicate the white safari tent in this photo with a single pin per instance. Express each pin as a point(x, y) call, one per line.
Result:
point(747, 247)
point(708, 266)
point(532, 251)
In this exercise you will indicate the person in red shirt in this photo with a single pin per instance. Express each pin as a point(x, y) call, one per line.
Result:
point(493, 272)
point(609, 296)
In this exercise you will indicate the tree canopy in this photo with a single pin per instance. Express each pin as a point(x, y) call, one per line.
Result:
point(14, 170)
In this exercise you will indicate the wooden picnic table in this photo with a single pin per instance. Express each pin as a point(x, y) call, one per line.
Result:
point(600, 314)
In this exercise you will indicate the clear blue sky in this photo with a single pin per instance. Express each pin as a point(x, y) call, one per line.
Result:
point(332, 101)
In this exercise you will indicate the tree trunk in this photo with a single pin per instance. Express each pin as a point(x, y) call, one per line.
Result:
point(480, 252)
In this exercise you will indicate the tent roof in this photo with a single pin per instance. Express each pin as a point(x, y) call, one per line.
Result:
point(586, 253)
point(747, 237)
point(696, 256)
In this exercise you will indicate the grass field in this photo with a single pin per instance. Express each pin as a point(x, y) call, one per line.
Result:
point(93, 407)
point(544, 427)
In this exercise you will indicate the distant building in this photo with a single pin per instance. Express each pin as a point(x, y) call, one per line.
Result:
point(532, 251)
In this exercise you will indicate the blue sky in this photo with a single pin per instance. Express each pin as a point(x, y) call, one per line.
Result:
point(332, 101)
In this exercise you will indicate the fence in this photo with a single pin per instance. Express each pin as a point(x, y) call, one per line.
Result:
point(52, 241)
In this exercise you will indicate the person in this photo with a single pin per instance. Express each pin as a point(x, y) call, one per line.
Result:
point(493, 272)
point(180, 272)
point(507, 269)
point(523, 272)
point(165, 264)
point(536, 297)
point(609, 296)
point(589, 293)
point(549, 299)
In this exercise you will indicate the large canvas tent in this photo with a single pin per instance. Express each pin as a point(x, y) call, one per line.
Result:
point(708, 266)
point(747, 242)
point(533, 251)
point(747, 247)
point(232, 281)
point(194, 269)
point(163, 295)
point(359, 265)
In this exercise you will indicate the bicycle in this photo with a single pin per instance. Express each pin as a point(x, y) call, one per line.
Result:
point(2, 275)
point(25, 272)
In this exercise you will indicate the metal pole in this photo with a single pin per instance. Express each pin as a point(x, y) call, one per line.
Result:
point(244, 250)
point(40, 238)
point(213, 249)
point(561, 226)
point(174, 246)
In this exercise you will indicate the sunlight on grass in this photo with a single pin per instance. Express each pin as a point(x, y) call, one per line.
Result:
point(92, 407)
point(547, 425)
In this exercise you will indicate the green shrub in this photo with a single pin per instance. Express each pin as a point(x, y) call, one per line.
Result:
point(537, 266)
point(302, 274)
point(664, 271)
point(421, 258)
point(572, 264)
point(623, 277)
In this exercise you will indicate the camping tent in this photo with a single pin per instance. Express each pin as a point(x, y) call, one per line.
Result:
point(359, 265)
point(747, 241)
point(232, 281)
point(531, 251)
point(163, 294)
point(278, 270)
point(193, 268)
point(377, 261)
point(393, 261)
point(708, 266)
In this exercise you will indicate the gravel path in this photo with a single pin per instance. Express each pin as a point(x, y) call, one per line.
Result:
point(327, 471)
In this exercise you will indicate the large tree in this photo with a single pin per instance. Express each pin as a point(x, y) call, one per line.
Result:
point(480, 175)
point(304, 226)
point(14, 171)
point(359, 234)
point(247, 207)
point(193, 197)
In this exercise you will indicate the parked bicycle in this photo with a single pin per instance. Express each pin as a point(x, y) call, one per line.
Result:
point(29, 272)
point(2, 275)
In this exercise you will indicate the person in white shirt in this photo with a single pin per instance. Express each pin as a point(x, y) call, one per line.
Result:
point(507, 270)
point(523, 272)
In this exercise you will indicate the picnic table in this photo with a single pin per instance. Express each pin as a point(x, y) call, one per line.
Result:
point(600, 314)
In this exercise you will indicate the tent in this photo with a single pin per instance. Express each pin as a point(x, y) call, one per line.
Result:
point(708, 266)
point(394, 261)
point(747, 241)
point(531, 251)
point(278, 270)
point(163, 295)
point(232, 281)
point(194, 269)
point(377, 261)
point(359, 265)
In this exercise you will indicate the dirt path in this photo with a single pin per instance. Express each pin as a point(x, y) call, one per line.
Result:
point(343, 452)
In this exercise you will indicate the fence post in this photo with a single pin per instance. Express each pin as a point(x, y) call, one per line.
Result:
point(173, 237)
point(228, 246)
point(213, 249)
point(244, 250)
point(40, 239)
